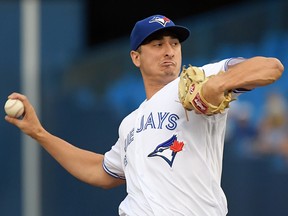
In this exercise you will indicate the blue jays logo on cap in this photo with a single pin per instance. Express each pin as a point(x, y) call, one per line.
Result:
point(146, 27)
point(161, 20)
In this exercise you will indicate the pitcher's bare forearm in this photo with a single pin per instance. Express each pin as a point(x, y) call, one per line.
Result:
point(249, 74)
point(83, 164)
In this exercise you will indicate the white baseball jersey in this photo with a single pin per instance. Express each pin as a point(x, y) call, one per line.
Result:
point(172, 164)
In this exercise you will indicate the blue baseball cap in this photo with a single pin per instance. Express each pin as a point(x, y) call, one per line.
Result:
point(144, 28)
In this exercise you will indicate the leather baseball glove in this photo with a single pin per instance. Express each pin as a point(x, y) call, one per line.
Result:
point(190, 86)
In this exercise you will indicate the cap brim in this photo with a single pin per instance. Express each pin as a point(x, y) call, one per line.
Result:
point(181, 32)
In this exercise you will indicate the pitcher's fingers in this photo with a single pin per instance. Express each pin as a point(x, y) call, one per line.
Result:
point(11, 120)
point(16, 95)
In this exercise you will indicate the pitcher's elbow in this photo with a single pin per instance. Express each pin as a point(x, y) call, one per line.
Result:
point(278, 68)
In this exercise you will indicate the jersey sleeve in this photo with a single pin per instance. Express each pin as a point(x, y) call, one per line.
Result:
point(112, 162)
point(233, 61)
point(214, 68)
point(223, 65)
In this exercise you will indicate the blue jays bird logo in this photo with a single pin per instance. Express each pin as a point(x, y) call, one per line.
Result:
point(161, 20)
point(168, 150)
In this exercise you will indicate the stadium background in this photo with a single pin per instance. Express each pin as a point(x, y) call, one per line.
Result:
point(85, 60)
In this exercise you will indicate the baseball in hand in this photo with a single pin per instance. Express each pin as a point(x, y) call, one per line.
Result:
point(14, 108)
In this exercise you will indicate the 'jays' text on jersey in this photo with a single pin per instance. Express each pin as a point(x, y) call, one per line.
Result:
point(172, 162)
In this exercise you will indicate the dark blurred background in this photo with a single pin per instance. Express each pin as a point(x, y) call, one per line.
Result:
point(85, 65)
point(117, 18)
